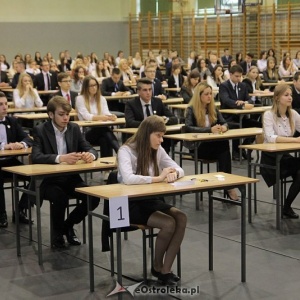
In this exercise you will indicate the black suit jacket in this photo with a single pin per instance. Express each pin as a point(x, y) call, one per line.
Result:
point(16, 77)
point(225, 60)
point(4, 77)
point(72, 94)
point(296, 100)
point(15, 133)
point(40, 84)
point(108, 87)
point(158, 89)
point(172, 84)
point(243, 64)
point(134, 112)
point(228, 98)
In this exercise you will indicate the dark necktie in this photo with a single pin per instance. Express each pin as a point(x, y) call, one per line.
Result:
point(147, 110)
point(116, 88)
point(49, 82)
point(237, 91)
point(68, 98)
point(3, 122)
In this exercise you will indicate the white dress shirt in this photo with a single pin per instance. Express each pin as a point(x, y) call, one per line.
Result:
point(28, 101)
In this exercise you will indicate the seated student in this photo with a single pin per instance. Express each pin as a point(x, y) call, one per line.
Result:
point(4, 81)
point(247, 63)
point(280, 125)
point(64, 65)
point(101, 71)
point(25, 95)
point(20, 68)
point(234, 94)
point(60, 141)
point(213, 61)
point(137, 61)
point(77, 81)
point(114, 86)
point(253, 83)
point(4, 65)
point(296, 60)
point(143, 160)
point(296, 92)
point(202, 116)
point(271, 53)
point(271, 73)
point(191, 59)
point(38, 58)
point(215, 79)
point(176, 80)
point(152, 63)
point(188, 87)
point(91, 106)
point(202, 69)
point(34, 68)
point(287, 67)
point(136, 110)
point(13, 138)
point(157, 88)
point(262, 61)
point(226, 72)
point(226, 58)
point(169, 67)
point(64, 82)
point(127, 75)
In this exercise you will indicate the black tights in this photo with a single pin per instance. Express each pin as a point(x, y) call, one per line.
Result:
point(293, 191)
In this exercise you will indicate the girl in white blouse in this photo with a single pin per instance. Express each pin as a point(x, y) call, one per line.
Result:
point(280, 125)
point(91, 106)
point(142, 160)
point(25, 95)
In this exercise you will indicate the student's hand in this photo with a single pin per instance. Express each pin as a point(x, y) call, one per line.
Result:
point(119, 93)
point(14, 146)
point(112, 117)
point(239, 102)
point(87, 157)
point(163, 175)
point(162, 97)
point(171, 177)
point(70, 158)
point(216, 129)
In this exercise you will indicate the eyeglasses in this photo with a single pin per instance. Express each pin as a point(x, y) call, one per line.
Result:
point(93, 85)
point(67, 81)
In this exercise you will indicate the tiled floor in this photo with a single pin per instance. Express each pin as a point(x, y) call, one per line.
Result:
point(273, 268)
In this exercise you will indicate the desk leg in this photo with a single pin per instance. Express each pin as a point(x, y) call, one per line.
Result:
point(210, 231)
point(197, 195)
point(91, 246)
point(38, 182)
point(243, 235)
point(249, 187)
point(278, 191)
point(16, 200)
point(172, 149)
point(119, 255)
point(241, 140)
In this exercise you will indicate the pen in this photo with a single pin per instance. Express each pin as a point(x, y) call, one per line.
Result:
point(106, 162)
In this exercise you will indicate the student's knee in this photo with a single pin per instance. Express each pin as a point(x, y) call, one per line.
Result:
point(169, 224)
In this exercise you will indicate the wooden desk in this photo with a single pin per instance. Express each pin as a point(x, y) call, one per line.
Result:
point(48, 92)
point(162, 189)
point(279, 149)
point(276, 83)
point(13, 110)
point(40, 171)
point(120, 97)
point(21, 152)
point(167, 89)
point(169, 128)
point(262, 94)
point(172, 101)
point(40, 116)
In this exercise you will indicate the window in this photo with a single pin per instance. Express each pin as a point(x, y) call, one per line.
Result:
point(154, 6)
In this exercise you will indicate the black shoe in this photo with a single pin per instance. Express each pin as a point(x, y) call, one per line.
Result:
point(167, 279)
point(289, 213)
point(58, 242)
point(244, 155)
point(3, 220)
point(71, 237)
point(157, 274)
point(22, 218)
point(235, 156)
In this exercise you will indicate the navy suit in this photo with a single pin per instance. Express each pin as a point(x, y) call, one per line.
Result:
point(72, 94)
point(16, 77)
point(172, 84)
point(39, 83)
point(226, 60)
point(59, 189)
point(14, 133)
point(243, 64)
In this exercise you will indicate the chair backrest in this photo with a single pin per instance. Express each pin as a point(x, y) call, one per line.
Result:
point(259, 139)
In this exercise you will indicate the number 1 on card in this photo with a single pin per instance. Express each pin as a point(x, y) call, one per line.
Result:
point(118, 212)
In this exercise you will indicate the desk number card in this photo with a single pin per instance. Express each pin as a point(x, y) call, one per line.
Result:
point(118, 212)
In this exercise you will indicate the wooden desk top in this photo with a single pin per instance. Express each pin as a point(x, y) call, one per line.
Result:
point(20, 152)
point(21, 110)
point(49, 92)
point(172, 100)
point(179, 106)
point(273, 147)
point(173, 89)
point(120, 97)
point(170, 128)
point(230, 134)
point(119, 121)
point(276, 83)
point(39, 116)
point(254, 110)
point(56, 169)
point(163, 188)
point(263, 94)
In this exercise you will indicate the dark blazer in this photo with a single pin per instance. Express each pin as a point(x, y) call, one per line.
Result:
point(228, 98)
point(108, 87)
point(243, 64)
point(225, 60)
point(158, 74)
point(169, 71)
point(4, 77)
point(40, 84)
point(249, 86)
point(186, 93)
point(72, 94)
point(172, 84)
point(296, 100)
point(16, 77)
point(158, 89)
point(15, 133)
point(134, 112)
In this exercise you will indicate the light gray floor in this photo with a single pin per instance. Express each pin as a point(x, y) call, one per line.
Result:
point(273, 268)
